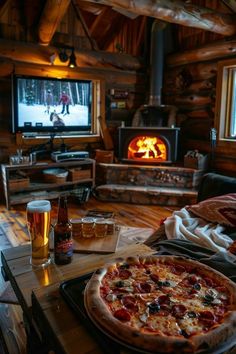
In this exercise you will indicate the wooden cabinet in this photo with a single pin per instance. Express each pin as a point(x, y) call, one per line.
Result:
point(23, 183)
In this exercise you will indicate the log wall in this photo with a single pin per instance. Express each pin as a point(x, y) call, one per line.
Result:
point(190, 83)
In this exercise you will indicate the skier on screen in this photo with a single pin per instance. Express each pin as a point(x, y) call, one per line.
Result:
point(48, 101)
point(65, 101)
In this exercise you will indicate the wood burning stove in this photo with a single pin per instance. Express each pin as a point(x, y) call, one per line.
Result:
point(148, 144)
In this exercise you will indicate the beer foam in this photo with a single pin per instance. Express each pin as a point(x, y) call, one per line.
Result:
point(39, 206)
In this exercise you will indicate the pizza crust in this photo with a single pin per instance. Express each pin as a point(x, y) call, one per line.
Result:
point(102, 317)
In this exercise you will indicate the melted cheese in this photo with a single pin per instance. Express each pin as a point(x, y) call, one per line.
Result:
point(166, 325)
point(190, 325)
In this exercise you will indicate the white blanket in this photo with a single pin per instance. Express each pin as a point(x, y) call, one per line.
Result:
point(184, 225)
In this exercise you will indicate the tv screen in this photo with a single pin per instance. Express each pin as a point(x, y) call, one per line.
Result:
point(51, 105)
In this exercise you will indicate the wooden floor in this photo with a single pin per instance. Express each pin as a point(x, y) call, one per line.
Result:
point(12, 224)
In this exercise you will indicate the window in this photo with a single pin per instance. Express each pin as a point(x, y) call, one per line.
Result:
point(226, 105)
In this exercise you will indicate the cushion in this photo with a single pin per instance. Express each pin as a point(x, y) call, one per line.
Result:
point(220, 210)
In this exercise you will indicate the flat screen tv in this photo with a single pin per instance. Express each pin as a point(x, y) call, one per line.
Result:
point(48, 105)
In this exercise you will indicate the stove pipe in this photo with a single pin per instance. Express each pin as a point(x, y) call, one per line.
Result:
point(155, 113)
point(156, 62)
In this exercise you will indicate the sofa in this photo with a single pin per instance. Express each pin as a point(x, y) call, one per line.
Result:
point(213, 184)
point(214, 190)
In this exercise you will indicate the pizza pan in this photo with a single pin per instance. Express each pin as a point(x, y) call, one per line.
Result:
point(73, 292)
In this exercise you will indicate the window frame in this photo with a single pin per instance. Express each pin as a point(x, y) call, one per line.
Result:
point(223, 106)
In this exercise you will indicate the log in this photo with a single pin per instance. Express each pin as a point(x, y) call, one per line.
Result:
point(197, 86)
point(198, 71)
point(231, 4)
point(52, 14)
point(193, 100)
point(80, 18)
point(204, 114)
point(3, 6)
point(188, 108)
point(33, 53)
point(6, 68)
point(202, 85)
point(108, 59)
point(210, 51)
point(179, 12)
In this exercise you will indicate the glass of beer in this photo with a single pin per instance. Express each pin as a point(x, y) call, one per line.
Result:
point(38, 222)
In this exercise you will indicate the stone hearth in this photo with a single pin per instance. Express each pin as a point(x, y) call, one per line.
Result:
point(155, 185)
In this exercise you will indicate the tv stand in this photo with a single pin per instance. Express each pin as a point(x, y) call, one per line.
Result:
point(23, 183)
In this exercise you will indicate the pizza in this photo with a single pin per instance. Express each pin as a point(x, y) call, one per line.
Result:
point(166, 304)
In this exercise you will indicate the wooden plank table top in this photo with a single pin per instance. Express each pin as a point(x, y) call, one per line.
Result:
point(49, 312)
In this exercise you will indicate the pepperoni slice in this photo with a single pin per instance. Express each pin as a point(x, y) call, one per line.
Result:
point(154, 277)
point(131, 307)
point(207, 317)
point(163, 299)
point(128, 298)
point(144, 287)
point(192, 279)
point(130, 303)
point(111, 275)
point(178, 269)
point(221, 289)
point(178, 310)
point(124, 273)
point(209, 282)
point(122, 315)
point(164, 310)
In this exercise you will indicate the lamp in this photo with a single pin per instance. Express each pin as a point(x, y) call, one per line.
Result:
point(63, 56)
point(72, 62)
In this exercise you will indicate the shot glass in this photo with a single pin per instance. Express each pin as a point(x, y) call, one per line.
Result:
point(88, 227)
point(111, 226)
point(76, 228)
point(100, 227)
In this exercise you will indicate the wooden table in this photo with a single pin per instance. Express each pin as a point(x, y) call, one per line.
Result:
point(50, 323)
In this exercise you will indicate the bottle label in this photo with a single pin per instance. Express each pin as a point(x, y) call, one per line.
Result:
point(64, 249)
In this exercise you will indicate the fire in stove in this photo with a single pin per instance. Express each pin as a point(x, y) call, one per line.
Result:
point(148, 144)
point(146, 147)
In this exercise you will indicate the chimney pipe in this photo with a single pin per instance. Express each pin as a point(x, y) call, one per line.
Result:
point(156, 62)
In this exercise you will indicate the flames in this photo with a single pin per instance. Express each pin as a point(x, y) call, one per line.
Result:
point(146, 147)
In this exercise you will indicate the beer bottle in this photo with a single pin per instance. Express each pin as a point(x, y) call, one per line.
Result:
point(63, 246)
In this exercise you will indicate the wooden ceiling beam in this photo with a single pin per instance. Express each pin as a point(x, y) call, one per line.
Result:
point(231, 4)
point(3, 6)
point(210, 51)
point(53, 12)
point(105, 26)
point(179, 12)
point(48, 55)
point(79, 16)
point(97, 22)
